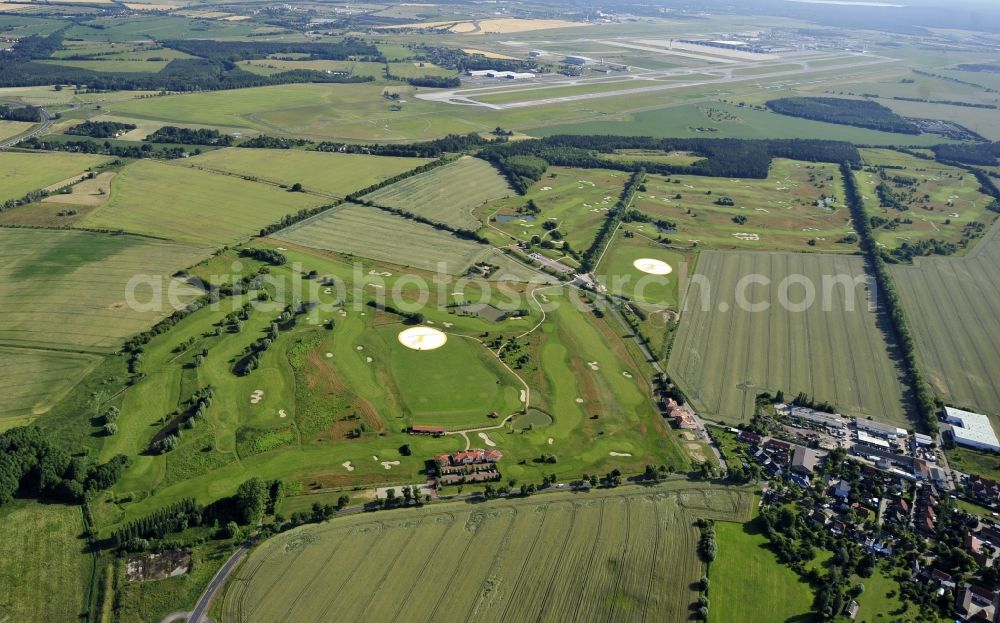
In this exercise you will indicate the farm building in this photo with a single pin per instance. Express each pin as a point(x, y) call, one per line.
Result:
point(575, 60)
point(972, 429)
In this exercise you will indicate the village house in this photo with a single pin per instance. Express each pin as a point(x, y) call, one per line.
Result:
point(976, 603)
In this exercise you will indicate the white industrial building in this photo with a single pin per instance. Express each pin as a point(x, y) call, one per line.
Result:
point(882, 430)
point(492, 73)
point(972, 429)
point(870, 440)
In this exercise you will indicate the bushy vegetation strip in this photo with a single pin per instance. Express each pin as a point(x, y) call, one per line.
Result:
point(888, 297)
point(615, 216)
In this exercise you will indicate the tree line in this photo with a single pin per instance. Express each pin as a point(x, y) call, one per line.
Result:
point(100, 129)
point(30, 114)
point(215, 68)
point(189, 136)
point(746, 158)
point(925, 403)
point(858, 113)
point(436, 148)
point(610, 224)
point(32, 466)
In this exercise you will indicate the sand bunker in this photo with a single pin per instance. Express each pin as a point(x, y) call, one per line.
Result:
point(422, 338)
point(524, 395)
point(653, 267)
point(368, 359)
point(551, 440)
point(281, 413)
point(329, 355)
point(620, 453)
point(626, 375)
point(348, 466)
point(256, 396)
point(593, 365)
point(486, 439)
point(389, 464)
point(579, 401)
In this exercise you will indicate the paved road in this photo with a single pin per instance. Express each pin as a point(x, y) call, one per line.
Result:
point(217, 582)
point(35, 131)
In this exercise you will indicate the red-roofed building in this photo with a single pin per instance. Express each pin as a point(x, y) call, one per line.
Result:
point(468, 457)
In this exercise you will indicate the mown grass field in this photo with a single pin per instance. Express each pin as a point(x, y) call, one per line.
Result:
point(368, 232)
point(726, 352)
point(621, 555)
point(117, 65)
point(45, 569)
point(679, 158)
point(201, 207)
point(327, 388)
point(618, 273)
point(748, 583)
point(331, 174)
point(951, 305)
point(455, 386)
point(21, 173)
point(447, 194)
point(13, 128)
point(940, 200)
point(577, 200)
point(68, 290)
point(34, 380)
point(780, 212)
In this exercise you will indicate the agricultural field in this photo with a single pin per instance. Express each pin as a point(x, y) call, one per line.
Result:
point(331, 174)
point(21, 173)
point(737, 340)
point(799, 207)
point(610, 554)
point(202, 208)
point(447, 194)
point(363, 231)
point(932, 201)
point(9, 129)
point(747, 572)
point(34, 380)
point(950, 305)
point(68, 290)
point(45, 565)
point(577, 200)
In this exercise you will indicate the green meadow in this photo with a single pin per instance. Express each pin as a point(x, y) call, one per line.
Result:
point(69, 290)
point(446, 194)
point(330, 174)
point(201, 208)
point(21, 173)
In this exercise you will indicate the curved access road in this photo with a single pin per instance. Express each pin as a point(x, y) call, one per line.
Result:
point(35, 131)
point(198, 614)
